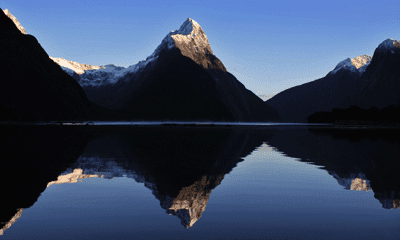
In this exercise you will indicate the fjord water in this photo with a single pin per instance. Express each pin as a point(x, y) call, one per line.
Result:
point(221, 182)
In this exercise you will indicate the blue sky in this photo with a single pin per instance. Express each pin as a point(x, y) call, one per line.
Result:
point(268, 45)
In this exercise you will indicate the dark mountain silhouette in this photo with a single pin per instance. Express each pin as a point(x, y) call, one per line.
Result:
point(334, 90)
point(33, 87)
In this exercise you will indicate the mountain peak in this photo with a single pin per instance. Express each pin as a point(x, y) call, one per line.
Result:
point(192, 42)
point(15, 20)
point(187, 27)
point(389, 45)
point(191, 33)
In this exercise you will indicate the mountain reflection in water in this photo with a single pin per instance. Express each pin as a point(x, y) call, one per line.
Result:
point(182, 165)
point(358, 159)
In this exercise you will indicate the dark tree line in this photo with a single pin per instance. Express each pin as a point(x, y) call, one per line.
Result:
point(357, 115)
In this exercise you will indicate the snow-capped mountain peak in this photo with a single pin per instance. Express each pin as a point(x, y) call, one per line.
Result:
point(190, 32)
point(192, 42)
point(187, 27)
point(357, 64)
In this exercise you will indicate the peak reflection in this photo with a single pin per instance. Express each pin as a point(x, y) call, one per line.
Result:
point(181, 166)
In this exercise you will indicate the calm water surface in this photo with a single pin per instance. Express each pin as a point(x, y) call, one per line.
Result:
point(246, 182)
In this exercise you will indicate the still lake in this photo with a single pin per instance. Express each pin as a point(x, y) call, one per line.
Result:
point(208, 182)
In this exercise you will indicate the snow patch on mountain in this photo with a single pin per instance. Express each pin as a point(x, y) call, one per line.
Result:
point(108, 74)
point(96, 75)
point(358, 64)
point(111, 74)
point(79, 68)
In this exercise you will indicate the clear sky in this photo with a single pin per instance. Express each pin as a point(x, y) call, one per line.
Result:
point(268, 45)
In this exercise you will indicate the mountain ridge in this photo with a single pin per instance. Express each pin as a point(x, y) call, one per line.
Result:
point(79, 68)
